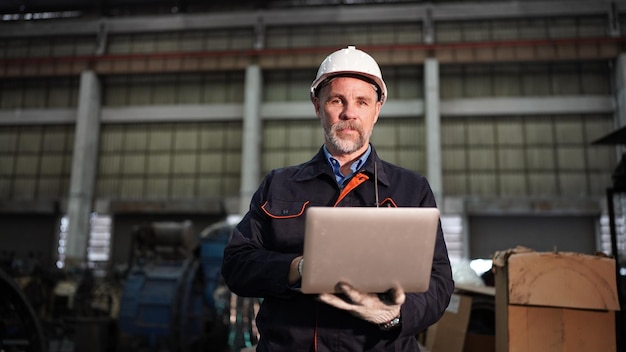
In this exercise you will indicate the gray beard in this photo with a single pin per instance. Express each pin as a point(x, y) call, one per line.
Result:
point(346, 146)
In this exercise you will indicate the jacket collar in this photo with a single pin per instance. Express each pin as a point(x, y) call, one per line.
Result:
point(319, 166)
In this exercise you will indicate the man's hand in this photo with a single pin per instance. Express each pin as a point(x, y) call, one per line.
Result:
point(375, 308)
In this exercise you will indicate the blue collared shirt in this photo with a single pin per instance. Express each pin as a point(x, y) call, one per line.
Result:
point(334, 163)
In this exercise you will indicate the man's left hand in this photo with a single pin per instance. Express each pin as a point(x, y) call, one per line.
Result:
point(372, 307)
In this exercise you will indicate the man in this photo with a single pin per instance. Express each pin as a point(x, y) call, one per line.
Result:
point(264, 255)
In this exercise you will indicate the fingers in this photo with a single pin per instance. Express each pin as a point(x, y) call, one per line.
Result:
point(333, 300)
point(397, 295)
point(356, 296)
point(394, 296)
point(375, 308)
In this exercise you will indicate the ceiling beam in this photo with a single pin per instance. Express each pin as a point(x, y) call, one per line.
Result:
point(299, 16)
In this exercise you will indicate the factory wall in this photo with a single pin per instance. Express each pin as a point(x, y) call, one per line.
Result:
point(522, 97)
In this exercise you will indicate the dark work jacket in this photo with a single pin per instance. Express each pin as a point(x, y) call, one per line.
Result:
point(257, 259)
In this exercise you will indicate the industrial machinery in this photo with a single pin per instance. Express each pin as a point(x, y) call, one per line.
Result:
point(173, 298)
point(20, 328)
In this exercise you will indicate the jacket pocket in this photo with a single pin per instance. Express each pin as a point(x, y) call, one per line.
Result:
point(278, 209)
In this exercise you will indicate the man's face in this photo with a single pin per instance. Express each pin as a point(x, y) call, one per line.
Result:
point(348, 108)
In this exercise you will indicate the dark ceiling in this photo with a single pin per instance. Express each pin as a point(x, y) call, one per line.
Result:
point(130, 7)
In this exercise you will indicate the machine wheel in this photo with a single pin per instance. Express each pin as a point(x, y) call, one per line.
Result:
point(20, 329)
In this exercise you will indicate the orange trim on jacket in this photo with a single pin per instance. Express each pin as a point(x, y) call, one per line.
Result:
point(285, 216)
point(354, 182)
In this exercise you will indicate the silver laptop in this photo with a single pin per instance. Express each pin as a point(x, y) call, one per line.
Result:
point(374, 249)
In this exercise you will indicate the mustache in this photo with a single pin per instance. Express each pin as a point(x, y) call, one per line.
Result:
point(342, 125)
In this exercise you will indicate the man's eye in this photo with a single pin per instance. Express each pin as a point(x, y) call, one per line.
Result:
point(335, 102)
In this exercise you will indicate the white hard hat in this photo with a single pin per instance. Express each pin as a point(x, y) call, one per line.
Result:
point(351, 62)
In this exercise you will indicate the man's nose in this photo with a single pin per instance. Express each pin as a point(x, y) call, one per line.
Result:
point(349, 111)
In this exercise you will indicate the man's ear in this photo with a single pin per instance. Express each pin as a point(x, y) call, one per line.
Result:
point(378, 106)
point(316, 105)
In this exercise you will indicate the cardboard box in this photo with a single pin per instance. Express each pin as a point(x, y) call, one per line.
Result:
point(448, 334)
point(554, 302)
point(479, 343)
point(482, 298)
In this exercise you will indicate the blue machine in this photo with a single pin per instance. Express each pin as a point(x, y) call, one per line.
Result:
point(168, 301)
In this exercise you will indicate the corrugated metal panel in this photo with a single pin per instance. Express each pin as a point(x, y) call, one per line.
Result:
point(17, 48)
point(412, 159)
point(509, 131)
point(211, 163)
point(62, 93)
point(539, 131)
point(455, 183)
point(542, 184)
point(540, 158)
point(570, 131)
point(52, 164)
point(571, 158)
point(50, 188)
point(384, 135)
point(217, 87)
point(109, 164)
point(535, 80)
point(511, 159)
point(160, 137)
point(185, 163)
point(133, 164)
point(481, 132)
point(454, 160)
point(164, 161)
point(340, 34)
point(513, 185)
point(159, 164)
point(131, 188)
point(184, 187)
point(273, 160)
point(156, 188)
point(232, 163)
point(35, 94)
point(573, 184)
point(136, 139)
point(186, 137)
point(191, 41)
point(529, 156)
point(475, 31)
point(599, 181)
point(24, 188)
point(410, 133)
point(524, 79)
point(483, 183)
point(27, 165)
point(189, 89)
point(481, 159)
point(168, 42)
point(289, 142)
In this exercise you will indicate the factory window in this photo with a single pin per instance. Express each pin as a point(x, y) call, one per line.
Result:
point(528, 79)
point(521, 29)
point(168, 161)
point(187, 41)
point(620, 230)
point(338, 35)
point(37, 93)
point(515, 156)
point(35, 161)
point(174, 89)
point(99, 244)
